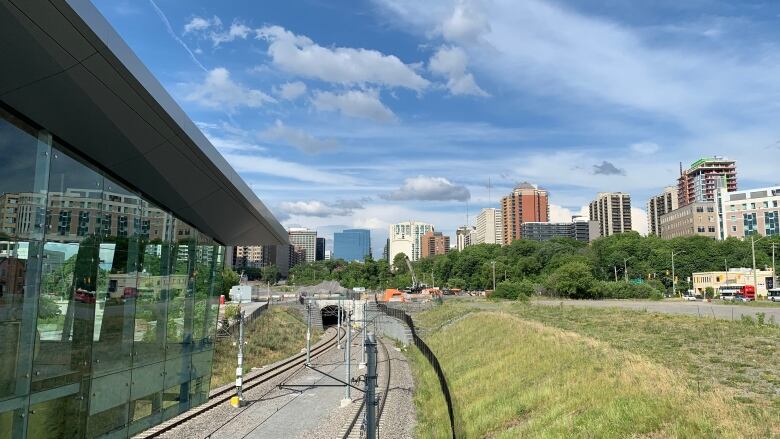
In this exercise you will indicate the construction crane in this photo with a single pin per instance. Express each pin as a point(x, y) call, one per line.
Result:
point(416, 285)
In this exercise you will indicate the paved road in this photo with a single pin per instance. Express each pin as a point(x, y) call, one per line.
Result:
point(704, 309)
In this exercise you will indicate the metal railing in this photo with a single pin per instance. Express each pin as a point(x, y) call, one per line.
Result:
point(428, 354)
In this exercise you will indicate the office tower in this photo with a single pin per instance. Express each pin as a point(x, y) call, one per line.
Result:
point(306, 240)
point(352, 244)
point(748, 212)
point(319, 254)
point(693, 219)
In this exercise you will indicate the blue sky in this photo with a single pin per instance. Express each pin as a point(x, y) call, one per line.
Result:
point(360, 114)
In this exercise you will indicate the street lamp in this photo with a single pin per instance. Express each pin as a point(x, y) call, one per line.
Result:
point(674, 278)
point(625, 268)
point(493, 263)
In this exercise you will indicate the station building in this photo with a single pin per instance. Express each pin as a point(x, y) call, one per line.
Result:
point(112, 232)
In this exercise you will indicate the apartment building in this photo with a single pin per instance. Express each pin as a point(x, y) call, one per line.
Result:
point(612, 211)
point(526, 203)
point(700, 182)
point(434, 243)
point(405, 237)
point(659, 205)
point(306, 240)
point(489, 227)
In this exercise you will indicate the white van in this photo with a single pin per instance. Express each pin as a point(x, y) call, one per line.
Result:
point(774, 295)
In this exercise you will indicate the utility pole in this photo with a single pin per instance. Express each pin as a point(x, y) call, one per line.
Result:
point(370, 389)
point(615, 267)
point(493, 263)
point(674, 277)
point(753, 242)
point(308, 332)
point(348, 360)
point(774, 272)
point(338, 326)
point(238, 400)
point(365, 332)
point(625, 268)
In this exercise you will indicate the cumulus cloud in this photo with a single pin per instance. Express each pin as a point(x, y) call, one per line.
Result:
point(300, 139)
point(198, 24)
point(560, 214)
point(291, 90)
point(466, 23)
point(607, 168)
point(450, 62)
point(639, 220)
point(320, 209)
point(429, 189)
point(300, 55)
point(236, 31)
point(219, 91)
point(645, 147)
point(354, 103)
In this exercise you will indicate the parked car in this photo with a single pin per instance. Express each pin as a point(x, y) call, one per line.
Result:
point(774, 295)
point(739, 297)
point(689, 297)
point(84, 296)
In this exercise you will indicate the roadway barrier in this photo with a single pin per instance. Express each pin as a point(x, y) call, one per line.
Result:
point(428, 353)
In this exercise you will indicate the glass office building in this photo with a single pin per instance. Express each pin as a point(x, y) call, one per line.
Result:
point(111, 251)
point(352, 244)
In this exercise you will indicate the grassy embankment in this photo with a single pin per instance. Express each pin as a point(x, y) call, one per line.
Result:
point(524, 370)
point(277, 334)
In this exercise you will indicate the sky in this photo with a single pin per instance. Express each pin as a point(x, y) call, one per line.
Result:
point(361, 114)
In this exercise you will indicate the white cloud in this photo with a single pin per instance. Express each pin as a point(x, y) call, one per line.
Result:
point(219, 91)
point(291, 90)
point(639, 220)
point(355, 103)
point(429, 189)
point(467, 23)
point(198, 24)
point(299, 55)
point(645, 147)
point(236, 31)
point(560, 214)
point(451, 62)
point(320, 209)
point(299, 139)
point(281, 168)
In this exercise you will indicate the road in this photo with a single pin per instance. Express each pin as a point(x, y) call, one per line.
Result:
point(704, 309)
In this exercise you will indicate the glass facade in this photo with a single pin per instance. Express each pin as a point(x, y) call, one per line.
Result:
point(352, 244)
point(108, 303)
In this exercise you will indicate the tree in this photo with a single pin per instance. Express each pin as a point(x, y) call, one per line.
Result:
point(270, 273)
point(399, 263)
point(229, 279)
point(573, 280)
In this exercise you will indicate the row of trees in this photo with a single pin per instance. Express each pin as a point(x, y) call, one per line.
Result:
point(560, 266)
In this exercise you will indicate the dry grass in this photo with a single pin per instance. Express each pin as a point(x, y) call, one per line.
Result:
point(517, 378)
point(277, 334)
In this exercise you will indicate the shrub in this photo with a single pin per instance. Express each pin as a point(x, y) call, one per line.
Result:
point(573, 280)
point(231, 312)
point(513, 290)
point(48, 308)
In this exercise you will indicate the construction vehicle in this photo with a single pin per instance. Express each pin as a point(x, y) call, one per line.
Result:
point(416, 287)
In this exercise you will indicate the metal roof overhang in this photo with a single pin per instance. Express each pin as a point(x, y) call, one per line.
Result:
point(66, 69)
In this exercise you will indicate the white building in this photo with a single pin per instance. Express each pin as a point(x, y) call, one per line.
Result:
point(612, 210)
point(490, 227)
point(464, 237)
point(658, 206)
point(405, 238)
point(304, 239)
point(744, 213)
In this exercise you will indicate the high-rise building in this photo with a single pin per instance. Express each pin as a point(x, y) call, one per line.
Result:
point(612, 210)
point(248, 256)
point(659, 205)
point(748, 212)
point(304, 239)
point(352, 244)
point(489, 227)
point(700, 182)
point(693, 219)
point(464, 237)
point(526, 203)
point(122, 213)
point(282, 256)
point(434, 243)
point(405, 238)
point(320, 251)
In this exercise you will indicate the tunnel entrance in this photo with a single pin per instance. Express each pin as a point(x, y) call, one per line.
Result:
point(330, 315)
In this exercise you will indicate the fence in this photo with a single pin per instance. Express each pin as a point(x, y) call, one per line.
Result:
point(426, 351)
point(226, 330)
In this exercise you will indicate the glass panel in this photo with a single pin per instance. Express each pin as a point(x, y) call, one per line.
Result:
point(63, 357)
point(23, 182)
point(58, 417)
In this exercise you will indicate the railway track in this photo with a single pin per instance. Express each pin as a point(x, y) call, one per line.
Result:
point(223, 394)
point(356, 426)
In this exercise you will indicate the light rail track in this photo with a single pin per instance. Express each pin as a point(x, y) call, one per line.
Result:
point(223, 394)
point(356, 425)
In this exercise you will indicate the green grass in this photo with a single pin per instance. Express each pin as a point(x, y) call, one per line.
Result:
point(540, 371)
point(277, 334)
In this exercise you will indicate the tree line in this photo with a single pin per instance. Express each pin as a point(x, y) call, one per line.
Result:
point(561, 266)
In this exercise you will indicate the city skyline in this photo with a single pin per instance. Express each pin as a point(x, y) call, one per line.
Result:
point(421, 92)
